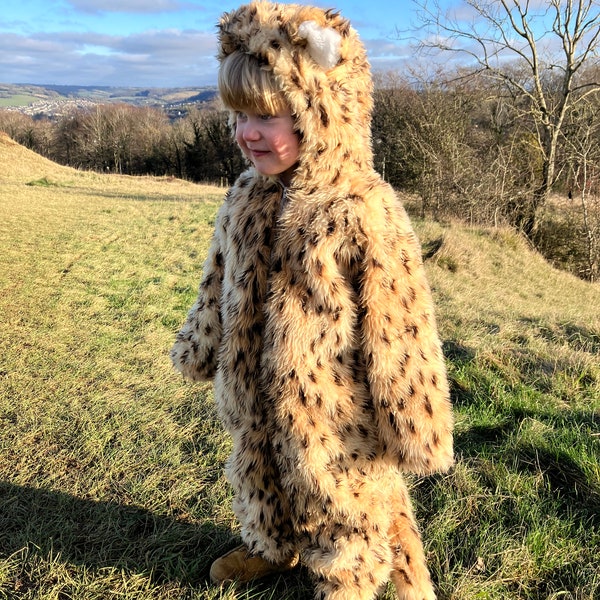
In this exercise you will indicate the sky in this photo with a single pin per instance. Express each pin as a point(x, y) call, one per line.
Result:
point(157, 43)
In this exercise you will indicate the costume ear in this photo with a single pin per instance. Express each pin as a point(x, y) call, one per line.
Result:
point(323, 43)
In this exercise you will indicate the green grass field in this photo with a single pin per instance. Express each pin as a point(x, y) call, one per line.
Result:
point(17, 100)
point(111, 483)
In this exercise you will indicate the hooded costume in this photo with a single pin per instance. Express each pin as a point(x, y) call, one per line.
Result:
point(315, 320)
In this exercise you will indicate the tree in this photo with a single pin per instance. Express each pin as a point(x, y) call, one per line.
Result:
point(583, 156)
point(212, 154)
point(393, 155)
point(115, 137)
point(439, 136)
point(433, 139)
point(35, 134)
point(68, 139)
point(540, 53)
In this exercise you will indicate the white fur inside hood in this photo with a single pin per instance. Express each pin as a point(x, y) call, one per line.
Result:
point(323, 43)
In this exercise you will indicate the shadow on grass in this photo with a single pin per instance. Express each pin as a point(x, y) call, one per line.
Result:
point(105, 534)
point(577, 337)
point(566, 480)
point(568, 485)
point(100, 535)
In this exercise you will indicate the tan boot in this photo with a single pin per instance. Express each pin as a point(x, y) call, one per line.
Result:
point(241, 566)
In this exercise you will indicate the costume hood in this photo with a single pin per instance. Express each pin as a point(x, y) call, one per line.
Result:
point(321, 67)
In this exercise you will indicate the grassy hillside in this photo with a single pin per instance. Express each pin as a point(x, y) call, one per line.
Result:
point(111, 480)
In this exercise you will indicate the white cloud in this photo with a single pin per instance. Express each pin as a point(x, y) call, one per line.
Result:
point(146, 43)
point(131, 6)
point(152, 59)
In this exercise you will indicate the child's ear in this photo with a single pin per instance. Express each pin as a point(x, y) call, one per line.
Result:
point(323, 43)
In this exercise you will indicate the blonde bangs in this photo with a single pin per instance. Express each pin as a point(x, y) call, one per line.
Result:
point(245, 85)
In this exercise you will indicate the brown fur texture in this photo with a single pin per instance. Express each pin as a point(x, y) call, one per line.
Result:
point(316, 321)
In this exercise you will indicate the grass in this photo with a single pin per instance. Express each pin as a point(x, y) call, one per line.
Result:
point(111, 481)
point(17, 100)
point(43, 182)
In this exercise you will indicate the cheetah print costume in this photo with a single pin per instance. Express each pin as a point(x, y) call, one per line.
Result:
point(316, 322)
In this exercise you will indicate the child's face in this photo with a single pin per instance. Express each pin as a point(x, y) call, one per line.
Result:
point(269, 142)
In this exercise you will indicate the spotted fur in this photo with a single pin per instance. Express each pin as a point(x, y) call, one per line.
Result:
point(316, 321)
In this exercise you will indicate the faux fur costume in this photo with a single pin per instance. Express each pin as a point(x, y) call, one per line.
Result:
point(315, 319)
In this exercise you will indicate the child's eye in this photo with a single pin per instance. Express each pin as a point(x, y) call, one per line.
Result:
point(241, 116)
point(266, 117)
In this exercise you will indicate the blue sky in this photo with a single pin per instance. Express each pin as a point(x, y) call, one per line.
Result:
point(155, 43)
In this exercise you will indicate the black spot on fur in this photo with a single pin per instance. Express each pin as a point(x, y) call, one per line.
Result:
point(324, 116)
point(428, 406)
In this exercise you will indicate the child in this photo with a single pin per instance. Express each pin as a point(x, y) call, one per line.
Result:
point(315, 319)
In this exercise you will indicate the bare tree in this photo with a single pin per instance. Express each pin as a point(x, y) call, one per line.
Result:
point(438, 134)
point(583, 155)
point(540, 52)
point(211, 154)
point(393, 153)
point(35, 134)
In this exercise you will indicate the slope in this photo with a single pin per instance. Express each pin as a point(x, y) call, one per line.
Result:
point(21, 164)
point(111, 467)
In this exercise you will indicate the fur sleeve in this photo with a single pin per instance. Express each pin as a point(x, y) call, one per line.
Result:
point(195, 351)
point(406, 369)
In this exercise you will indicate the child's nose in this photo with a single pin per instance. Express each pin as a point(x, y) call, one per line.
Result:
point(251, 130)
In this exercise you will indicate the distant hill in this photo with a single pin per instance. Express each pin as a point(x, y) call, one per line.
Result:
point(37, 99)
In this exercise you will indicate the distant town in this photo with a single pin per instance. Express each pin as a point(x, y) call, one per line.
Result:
point(54, 101)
